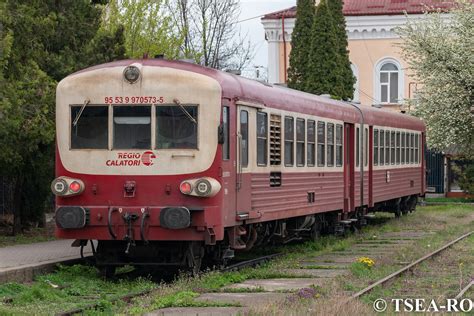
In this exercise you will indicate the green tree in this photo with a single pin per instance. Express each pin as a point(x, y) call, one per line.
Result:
point(439, 52)
point(323, 73)
point(346, 76)
point(41, 42)
point(105, 47)
point(147, 27)
point(300, 45)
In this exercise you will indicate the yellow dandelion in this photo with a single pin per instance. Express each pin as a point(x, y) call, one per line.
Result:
point(366, 261)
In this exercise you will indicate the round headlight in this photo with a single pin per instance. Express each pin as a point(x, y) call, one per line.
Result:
point(203, 187)
point(131, 74)
point(59, 186)
point(185, 187)
point(75, 187)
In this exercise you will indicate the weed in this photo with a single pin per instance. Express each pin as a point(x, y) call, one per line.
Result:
point(321, 267)
point(68, 288)
point(360, 269)
point(257, 289)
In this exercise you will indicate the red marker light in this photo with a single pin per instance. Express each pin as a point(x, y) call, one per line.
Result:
point(75, 186)
point(185, 187)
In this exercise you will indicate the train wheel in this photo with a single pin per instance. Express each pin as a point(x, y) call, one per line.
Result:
point(107, 272)
point(194, 255)
point(412, 203)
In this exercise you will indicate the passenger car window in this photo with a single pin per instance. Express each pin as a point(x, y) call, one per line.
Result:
point(417, 147)
point(321, 144)
point(376, 147)
point(398, 148)
point(357, 155)
point(338, 145)
point(175, 129)
point(300, 141)
point(403, 146)
point(91, 130)
point(311, 143)
point(392, 147)
point(330, 144)
point(262, 132)
point(366, 147)
point(382, 147)
point(289, 141)
point(132, 127)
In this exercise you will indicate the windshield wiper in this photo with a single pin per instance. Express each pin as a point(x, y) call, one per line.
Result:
point(190, 117)
point(78, 115)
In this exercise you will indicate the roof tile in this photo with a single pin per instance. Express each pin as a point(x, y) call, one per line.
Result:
point(376, 7)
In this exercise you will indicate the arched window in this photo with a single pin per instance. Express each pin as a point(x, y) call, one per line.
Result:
point(389, 81)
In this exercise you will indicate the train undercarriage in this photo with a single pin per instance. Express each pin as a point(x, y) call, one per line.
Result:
point(194, 255)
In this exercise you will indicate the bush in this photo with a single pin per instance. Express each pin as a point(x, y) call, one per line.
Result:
point(465, 175)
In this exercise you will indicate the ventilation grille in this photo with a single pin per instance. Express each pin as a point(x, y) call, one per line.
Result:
point(275, 140)
point(275, 179)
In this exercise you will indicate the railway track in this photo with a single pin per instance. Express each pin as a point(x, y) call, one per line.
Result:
point(126, 298)
point(410, 267)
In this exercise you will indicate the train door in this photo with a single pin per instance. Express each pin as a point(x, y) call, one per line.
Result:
point(370, 158)
point(348, 167)
point(228, 161)
point(245, 128)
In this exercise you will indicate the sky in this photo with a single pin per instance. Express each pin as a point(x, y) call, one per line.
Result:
point(254, 28)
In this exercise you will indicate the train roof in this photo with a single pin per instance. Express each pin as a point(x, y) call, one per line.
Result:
point(274, 96)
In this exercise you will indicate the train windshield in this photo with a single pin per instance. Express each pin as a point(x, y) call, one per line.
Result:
point(175, 128)
point(132, 127)
point(91, 131)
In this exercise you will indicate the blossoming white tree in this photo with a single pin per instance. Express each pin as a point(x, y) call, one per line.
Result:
point(440, 53)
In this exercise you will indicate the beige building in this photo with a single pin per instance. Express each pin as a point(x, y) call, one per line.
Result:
point(383, 79)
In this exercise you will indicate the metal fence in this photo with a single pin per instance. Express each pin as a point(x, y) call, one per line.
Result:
point(434, 171)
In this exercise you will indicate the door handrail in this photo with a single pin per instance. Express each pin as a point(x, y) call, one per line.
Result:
point(239, 165)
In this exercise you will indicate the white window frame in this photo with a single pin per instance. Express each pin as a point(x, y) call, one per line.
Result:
point(377, 83)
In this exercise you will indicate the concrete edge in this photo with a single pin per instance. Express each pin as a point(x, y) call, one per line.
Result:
point(26, 273)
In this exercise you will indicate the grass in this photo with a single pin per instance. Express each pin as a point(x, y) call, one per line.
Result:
point(79, 286)
point(434, 279)
point(33, 235)
point(450, 200)
point(438, 278)
point(68, 288)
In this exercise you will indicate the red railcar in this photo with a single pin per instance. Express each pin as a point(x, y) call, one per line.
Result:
point(167, 163)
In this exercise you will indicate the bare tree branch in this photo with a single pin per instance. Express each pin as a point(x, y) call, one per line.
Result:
point(210, 33)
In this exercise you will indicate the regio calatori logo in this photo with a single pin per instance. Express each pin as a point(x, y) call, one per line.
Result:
point(124, 159)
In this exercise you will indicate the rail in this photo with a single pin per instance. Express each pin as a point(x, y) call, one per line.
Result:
point(408, 267)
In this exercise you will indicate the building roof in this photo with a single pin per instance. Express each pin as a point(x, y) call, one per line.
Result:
point(376, 7)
